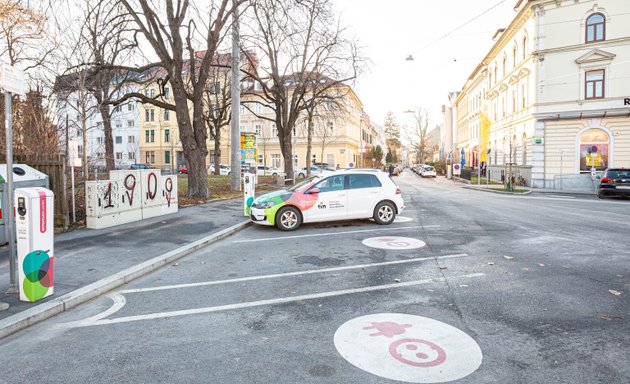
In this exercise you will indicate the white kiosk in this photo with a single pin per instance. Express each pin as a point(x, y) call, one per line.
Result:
point(35, 242)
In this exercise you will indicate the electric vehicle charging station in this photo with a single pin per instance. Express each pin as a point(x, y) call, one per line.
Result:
point(249, 189)
point(34, 225)
point(23, 177)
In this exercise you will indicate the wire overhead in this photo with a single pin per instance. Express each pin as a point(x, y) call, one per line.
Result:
point(410, 57)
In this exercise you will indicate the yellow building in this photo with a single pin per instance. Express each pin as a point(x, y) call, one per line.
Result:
point(343, 134)
point(340, 136)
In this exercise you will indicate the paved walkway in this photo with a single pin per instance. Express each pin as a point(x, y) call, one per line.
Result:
point(90, 262)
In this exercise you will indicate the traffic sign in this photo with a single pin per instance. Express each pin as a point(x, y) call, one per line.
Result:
point(12, 80)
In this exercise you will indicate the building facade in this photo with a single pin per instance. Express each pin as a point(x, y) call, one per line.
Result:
point(78, 115)
point(555, 94)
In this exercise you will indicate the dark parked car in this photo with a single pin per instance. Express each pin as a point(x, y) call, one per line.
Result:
point(183, 168)
point(140, 166)
point(614, 182)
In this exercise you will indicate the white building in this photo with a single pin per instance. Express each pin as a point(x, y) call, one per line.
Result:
point(76, 106)
point(554, 88)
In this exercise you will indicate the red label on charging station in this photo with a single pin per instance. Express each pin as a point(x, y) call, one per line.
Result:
point(42, 212)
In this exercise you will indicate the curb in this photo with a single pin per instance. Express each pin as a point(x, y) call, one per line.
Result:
point(70, 300)
point(498, 192)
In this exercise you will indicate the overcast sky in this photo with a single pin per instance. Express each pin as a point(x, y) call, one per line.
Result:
point(390, 30)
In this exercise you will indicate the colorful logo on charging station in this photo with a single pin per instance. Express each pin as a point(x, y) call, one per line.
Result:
point(38, 273)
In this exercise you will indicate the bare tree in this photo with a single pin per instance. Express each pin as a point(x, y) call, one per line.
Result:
point(296, 41)
point(418, 136)
point(105, 38)
point(392, 135)
point(217, 112)
point(24, 44)
point(22, 29)
point(185, 37)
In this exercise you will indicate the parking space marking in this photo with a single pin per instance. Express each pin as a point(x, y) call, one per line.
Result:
point(335, 233)
point(408, 348)
point(394, 242)
point(289, 274)
point(251, 304)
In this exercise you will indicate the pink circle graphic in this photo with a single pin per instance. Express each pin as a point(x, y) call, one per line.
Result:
point(412, 345)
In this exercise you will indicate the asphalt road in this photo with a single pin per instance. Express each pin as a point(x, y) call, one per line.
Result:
point(501, 289)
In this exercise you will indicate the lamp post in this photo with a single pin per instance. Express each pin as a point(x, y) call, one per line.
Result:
point(235, 134)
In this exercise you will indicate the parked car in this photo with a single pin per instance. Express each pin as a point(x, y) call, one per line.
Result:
point(140, 166)
point(314, 171)
point(224, 170)
point(614, 182)
point(263, 170)
point(341, 195)
point(428, 171)
point(183, 169)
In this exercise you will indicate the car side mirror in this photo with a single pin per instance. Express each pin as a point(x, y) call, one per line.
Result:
point(314, 191)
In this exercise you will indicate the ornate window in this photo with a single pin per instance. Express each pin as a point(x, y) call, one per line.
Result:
point(595, 28)
point(594, 149)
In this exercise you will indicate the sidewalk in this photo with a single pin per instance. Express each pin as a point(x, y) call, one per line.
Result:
point(91, 262)
point(468, 185)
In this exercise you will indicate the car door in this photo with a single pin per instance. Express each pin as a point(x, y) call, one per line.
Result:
point(363, 195)
point(332, 200)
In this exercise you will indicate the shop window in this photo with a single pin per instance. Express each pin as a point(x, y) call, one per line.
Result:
point(594, 145)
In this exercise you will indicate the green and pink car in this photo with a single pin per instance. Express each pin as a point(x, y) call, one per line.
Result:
point(343, 195)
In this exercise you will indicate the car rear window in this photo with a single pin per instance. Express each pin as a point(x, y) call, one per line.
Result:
point(618, 174)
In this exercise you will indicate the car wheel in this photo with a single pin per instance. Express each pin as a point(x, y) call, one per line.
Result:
point(384, 213)
point(229, 173)
point(600, 195)
point(274, 174)
point(288, 219)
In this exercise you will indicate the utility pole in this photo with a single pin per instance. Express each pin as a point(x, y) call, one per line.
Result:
point(235, 134)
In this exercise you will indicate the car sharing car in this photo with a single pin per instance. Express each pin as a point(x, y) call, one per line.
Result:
point(342, 195)
point(614, 182)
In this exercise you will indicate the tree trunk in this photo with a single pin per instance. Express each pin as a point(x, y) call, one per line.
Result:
point(217, 152)
point(286, 147)
point(86, 167)
point(309, 144)
point(197, 173)
point(193, 137)
point(109, 141)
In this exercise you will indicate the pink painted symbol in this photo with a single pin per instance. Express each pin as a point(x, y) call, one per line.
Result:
point(388, 328)
point(393, 243)
point(417, 352)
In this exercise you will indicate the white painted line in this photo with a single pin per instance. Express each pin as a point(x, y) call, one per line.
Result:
point(334, 233)
point(251, 304)
point(288, 274)
point(119, 302)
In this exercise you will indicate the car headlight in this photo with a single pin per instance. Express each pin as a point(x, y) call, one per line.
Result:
point(264, 205)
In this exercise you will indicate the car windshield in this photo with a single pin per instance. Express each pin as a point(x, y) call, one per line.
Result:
point(304, 183)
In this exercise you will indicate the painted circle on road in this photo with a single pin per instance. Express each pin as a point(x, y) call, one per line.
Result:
point(402, 219)
point(408, 348)
point(393, 242)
